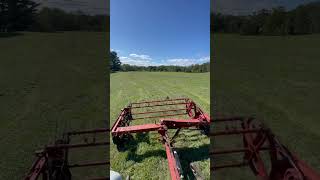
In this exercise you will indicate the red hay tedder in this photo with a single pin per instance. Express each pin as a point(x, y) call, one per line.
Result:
point(53, 163)
point(122, 130)
point(256, 139)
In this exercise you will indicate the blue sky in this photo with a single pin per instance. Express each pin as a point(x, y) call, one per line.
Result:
point(160, 32)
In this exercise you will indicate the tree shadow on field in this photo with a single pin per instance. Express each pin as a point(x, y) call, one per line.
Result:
point(132, 147)
point(9, 34)
point(186, 155)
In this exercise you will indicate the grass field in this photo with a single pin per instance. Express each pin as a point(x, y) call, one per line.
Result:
point(146, 158)
point(277, 79)
point(49, 80)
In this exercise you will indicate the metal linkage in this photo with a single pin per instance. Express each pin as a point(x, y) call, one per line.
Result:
point(194, 117)
point(52, 161)
point(257, 138)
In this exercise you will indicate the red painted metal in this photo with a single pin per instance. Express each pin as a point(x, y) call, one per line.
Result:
point(139, 128)
point(37, 168)
point(167, 110)
point(172, 163)
point(156, 105)
point(195, 117)
point(52, 161)
point(165, 100)
point(257, 138)
point(165, 115)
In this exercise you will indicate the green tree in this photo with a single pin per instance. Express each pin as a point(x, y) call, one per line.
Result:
point(276, 23)
point(115, 64)
point(302, 21)
point(17, 15)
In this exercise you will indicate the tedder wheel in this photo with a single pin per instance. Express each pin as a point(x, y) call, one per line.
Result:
point(258, 138)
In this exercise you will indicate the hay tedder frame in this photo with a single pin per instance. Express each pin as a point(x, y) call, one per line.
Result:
point(52, 162)
point(255, 136)
point(161, 110)
point(256, 140)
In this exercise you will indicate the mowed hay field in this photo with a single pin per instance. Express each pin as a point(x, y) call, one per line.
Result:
point(277, 79)
point(146, 157)
point(50, 83)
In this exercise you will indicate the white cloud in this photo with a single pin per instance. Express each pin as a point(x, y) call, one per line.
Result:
point(116, 50)
point(138, 60)
point(187, 61)
point(141, 56)
point(205, 59)
point(146, 60)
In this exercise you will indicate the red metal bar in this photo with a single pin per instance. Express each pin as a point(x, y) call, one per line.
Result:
point(229, 165)
point(158, 105)
point(89, 164)
point(253, 155)
point(119, 119)
point(308, 172)
point(180, 123)
point(138, 128)
point(172, 163)
point(36, 169)
point(151, 112)
point(165, 115)
point(143, 102)
point(70, 146)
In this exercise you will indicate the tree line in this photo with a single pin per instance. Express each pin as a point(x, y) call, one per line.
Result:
point(304, 19)
point(50, 20)
point(116, 65)
point(25, 15)
point(195, 68)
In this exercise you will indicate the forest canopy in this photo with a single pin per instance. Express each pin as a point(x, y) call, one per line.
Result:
point(304, 19)
point(26, 15)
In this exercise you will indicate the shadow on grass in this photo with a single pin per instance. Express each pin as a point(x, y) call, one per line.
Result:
point(132, 147)
point(192, 154)
point(186, 155)
point(9, 34)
